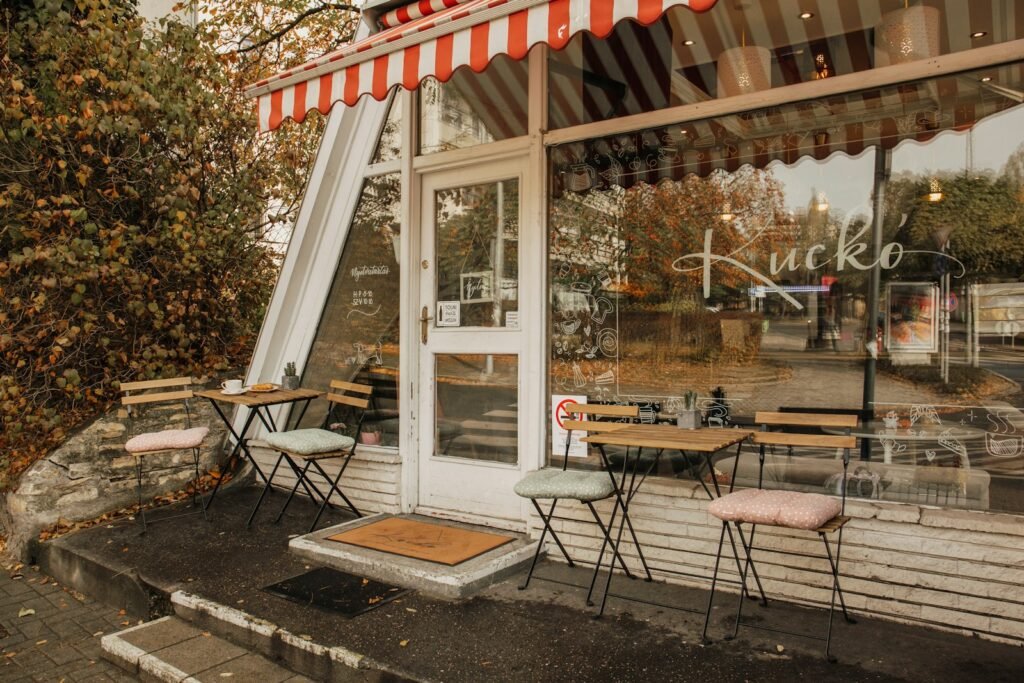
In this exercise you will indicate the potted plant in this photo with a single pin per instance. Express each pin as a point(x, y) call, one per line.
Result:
point(688, 416)
point(370, 435)
point(290, 379)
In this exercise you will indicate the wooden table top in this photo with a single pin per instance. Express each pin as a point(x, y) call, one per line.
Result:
point(670, 436)
point(254, 399)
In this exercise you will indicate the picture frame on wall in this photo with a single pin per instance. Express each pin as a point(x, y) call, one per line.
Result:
point(912, 317)
point(476, 287)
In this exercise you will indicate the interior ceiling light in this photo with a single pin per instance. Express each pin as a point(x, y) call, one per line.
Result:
point(687, 43)
point(986, 79)
point(907, 34)
point(806, 15)
point(934, 190)
point(744, 69)
point(979, 34)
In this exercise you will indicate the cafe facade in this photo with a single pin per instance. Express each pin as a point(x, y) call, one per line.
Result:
point(778, 205)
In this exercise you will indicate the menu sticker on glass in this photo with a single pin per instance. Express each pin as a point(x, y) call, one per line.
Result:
point(512, 320)
point(577, 449)
point(448, 313)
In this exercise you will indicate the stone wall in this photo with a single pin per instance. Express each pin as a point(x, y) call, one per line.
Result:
point(91, 473)
point(952, 569)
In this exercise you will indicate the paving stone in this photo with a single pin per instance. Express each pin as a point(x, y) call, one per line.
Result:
point(199, 654)
point(160, 634)
point(248, 667)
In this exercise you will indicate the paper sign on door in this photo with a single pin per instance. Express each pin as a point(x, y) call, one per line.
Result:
point(577, 449)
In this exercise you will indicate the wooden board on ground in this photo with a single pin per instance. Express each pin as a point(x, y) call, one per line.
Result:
point(429, 541)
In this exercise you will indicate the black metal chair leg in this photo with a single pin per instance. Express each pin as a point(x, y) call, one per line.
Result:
point(540, 542)
point(753, 570)
point(266, 489)
point(639, 550)
point(714, 583)
point(197, 498)
point(748, 548)
point(138, 488)
point(607, 534)
point(600, 555)
point(334, 486)
point(300, 480)
point(611, 568)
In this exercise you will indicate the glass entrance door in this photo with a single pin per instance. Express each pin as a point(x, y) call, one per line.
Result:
point(470, 340)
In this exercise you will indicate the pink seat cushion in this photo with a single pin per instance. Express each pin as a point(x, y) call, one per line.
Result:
point(169, 439)
point(791, 509)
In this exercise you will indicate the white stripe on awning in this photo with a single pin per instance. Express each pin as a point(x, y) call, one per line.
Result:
point(469, 34)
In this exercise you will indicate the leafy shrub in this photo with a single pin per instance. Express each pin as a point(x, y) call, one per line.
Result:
point(134, 193)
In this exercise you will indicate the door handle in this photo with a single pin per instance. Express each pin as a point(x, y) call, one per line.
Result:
point(424, 324)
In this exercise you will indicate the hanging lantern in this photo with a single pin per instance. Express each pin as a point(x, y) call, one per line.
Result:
point(906, 35)
point(744, 70)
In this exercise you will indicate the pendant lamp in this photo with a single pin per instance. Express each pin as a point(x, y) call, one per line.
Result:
point(744, 69)
point(906, 35)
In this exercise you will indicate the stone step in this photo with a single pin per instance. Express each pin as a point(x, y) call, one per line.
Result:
point(171, 650)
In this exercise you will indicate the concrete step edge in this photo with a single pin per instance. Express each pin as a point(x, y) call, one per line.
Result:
point(137, 661)
point(307, 657)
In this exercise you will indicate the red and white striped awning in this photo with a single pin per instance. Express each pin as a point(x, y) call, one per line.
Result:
point(434, 39)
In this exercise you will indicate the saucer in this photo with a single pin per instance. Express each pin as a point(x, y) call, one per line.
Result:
point(234, 393)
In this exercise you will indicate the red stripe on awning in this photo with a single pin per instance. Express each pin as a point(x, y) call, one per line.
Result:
point(472, 20)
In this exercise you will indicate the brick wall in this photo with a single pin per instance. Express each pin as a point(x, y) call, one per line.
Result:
point(372, 480)
point(961, 570)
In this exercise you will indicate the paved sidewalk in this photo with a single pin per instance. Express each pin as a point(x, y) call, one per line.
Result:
point(57, 638)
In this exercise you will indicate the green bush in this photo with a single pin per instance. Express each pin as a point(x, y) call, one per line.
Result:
point(134, 193)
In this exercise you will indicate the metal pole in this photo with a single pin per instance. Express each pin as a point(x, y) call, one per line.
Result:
point(883, 163)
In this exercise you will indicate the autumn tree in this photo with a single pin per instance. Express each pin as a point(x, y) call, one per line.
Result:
point(135, 195)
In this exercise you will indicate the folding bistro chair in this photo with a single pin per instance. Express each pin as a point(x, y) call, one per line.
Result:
point(585, 487)
point(146, 445)
point(824, 515)
point(315, 446)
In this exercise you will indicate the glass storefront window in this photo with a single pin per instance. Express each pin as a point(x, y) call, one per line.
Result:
point(389, 145)
point(734, 257)
point(687, 57)
point(358, 336)
point(478, 252)
point(474, 108)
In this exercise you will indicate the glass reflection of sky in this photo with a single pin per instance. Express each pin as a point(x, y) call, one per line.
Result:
point(847, 181)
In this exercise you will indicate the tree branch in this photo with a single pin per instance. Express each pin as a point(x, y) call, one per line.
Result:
point(312, 11)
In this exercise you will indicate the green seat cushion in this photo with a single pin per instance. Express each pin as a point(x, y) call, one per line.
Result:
point(309, 441)
point(571, 484)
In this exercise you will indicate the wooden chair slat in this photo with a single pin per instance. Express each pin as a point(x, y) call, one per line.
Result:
point(834, 524)
point(602, 410)
point(813, 440)
point(156, 383)
point(805, 419)
point(153, 398)
point(593, 425)
point(348, 400)
point(351, 386)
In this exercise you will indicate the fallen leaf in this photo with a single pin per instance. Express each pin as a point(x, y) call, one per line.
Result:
point(41, 642)
point(780, 648)
point(366, 581)
point(206, 634)
point(121, 612)
point(126, 622)
point(226, 674)
point(97, 634)
point(26, 612)
point(305, 637)
point(403, 643)
point(10, 654)
point(409, 609)
point(374, 600)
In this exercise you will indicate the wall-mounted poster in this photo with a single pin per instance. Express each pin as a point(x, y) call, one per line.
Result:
point(476, 287)
point(912, 317)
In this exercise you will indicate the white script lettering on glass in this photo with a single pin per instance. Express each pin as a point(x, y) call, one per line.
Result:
point(366, 271)
point(849, 253)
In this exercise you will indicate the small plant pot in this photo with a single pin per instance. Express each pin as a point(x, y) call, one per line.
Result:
point(369, 438)
point(290, 382)
point(688, 419)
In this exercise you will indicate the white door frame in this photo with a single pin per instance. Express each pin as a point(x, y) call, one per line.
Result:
point(507, 511)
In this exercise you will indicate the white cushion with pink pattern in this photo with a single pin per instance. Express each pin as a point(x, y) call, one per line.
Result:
point(169, 439)
point(791, 509)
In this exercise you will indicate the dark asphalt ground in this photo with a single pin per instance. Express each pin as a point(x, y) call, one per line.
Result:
point(542, 634)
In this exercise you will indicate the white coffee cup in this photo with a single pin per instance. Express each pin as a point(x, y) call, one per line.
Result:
point(232, 386)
